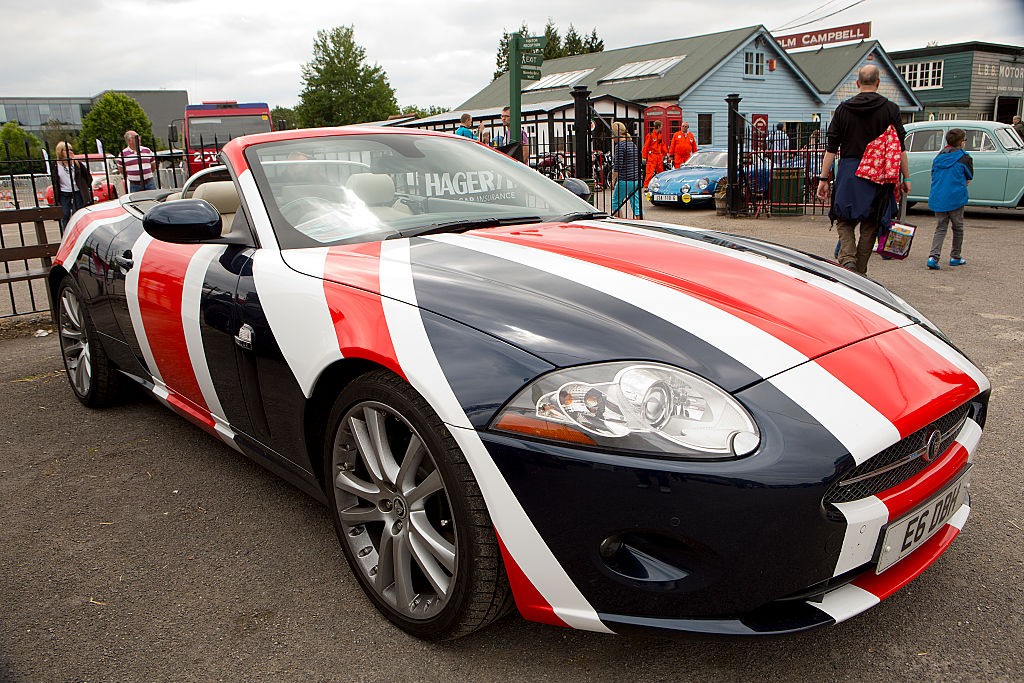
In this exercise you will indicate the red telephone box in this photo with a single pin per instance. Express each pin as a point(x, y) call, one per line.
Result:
point(670, 115)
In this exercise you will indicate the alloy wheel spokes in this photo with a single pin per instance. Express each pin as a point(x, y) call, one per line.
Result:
point(75, 342)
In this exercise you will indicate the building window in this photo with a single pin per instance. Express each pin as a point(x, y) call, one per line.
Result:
point(947, 116)
point(651, 68)
point(984, 116)
point(753, 63)
point(922, 75)
point(559, 80)
point(704, 129)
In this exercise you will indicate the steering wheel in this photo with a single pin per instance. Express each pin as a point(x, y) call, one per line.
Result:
point(299, 210)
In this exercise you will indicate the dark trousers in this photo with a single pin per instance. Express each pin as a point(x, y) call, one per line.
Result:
point(69, 203)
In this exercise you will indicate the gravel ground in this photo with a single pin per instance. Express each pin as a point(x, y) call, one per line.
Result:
point(134, 547)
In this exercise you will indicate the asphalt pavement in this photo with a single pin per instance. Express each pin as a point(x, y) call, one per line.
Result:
point(135, 547)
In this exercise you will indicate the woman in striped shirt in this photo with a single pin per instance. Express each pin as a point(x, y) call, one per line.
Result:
point(625, 171)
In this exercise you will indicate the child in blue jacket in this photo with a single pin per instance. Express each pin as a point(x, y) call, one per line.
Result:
point(952, 170)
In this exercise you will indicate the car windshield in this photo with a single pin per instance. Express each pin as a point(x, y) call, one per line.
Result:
point(709, 158)
point(358, 188)
point(210, 131)
point(1008, 136)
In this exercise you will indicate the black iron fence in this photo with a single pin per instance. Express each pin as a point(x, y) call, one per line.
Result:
point(30, 217)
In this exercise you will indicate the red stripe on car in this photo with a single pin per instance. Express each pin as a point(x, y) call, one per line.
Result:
point(530, 603)
point(72, 235)
point(161, 281)
point(909, 568)
point(803, 316)
point(907, 382)
point(357, 311)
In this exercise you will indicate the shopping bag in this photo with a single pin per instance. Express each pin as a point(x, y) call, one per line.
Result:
point(896, 243)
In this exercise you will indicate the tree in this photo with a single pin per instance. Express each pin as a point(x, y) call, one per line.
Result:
point(284, 118)
point(20, 151)
point(111, 117)
point(572, 44)
point(339, 87)
point(553, 49)
point(422, 112)
point(54, 131)
point(503, 47)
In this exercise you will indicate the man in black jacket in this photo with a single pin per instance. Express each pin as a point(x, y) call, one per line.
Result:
point(855, 123)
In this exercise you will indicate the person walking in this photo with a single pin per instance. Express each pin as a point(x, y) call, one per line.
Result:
point(654, 153)
point(137, 163)
point(683, 146)
point(952, 171)
point(856, 123)
point(625, 171)
point(71, 182)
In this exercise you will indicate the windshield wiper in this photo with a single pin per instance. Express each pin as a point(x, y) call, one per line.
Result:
point(464, 225)
point(582, 216)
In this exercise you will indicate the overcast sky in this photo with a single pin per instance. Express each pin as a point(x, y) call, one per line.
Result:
point(434, 53)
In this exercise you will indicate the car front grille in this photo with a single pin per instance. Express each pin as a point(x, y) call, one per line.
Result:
point(895, 464)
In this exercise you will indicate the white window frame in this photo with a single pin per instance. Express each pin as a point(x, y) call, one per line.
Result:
point(753, 64)
point(923, 75)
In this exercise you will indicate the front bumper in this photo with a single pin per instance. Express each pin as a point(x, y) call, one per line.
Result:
point(742, 547)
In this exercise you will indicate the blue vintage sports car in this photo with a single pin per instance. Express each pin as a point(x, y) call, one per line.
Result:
point(693, 182)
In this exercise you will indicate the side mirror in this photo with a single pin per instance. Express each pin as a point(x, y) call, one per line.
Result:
point(172, 133)
point(577, 187)
point(183, 221)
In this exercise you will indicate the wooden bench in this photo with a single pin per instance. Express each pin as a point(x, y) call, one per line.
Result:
point(44, 250)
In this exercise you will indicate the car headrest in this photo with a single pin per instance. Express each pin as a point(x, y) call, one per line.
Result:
point(221, 194)
point(376, 189)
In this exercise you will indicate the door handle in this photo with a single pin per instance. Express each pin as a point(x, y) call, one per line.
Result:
point(125, 260)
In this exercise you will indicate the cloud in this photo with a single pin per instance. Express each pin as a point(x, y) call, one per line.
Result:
point(436, 53)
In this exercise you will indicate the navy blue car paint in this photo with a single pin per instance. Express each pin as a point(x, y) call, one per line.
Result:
point(570, 323)
point(702, 510)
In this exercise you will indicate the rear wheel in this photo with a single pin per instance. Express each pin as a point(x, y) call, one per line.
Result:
point(409, 514)
point(91, 374)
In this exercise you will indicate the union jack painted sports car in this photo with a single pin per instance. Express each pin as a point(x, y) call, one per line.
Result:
point(504, 396)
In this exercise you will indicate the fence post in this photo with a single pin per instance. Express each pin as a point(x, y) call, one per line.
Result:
point(732, 196)
point(581, 128)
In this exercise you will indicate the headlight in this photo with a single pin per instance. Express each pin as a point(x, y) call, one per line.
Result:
point(702, 184)
point(655, 184)
point(644, 407)
point(685, 188)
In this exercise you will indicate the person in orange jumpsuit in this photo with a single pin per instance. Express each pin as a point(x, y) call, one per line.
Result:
point(683, 145)
point(654, 153)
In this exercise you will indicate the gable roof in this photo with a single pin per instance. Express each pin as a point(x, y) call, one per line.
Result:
point(831, 67)
point(828, 67)
point(701, 55)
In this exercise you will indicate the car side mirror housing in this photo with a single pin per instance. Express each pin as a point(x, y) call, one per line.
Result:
point(184, 221)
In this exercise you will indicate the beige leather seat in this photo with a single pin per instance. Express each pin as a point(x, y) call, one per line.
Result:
point(222, 196)
point(377, 191)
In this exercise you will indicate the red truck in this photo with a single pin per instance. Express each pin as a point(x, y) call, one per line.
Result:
point(210, 125)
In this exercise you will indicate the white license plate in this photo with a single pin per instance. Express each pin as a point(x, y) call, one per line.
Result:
point(907, 534)
point(666, 198)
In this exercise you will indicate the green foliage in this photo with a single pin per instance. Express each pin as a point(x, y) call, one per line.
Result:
point(339, 87)
point(20, 151)
point(111, 117)
point(572, 44)
point(423, 112)
point(284, 118)
point(553, 50)
point(503, 48)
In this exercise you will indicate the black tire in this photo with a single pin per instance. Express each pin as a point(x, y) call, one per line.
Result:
point(90, 372)
point(441, 542)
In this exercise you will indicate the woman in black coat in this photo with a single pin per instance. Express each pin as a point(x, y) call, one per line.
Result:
point(72, 183)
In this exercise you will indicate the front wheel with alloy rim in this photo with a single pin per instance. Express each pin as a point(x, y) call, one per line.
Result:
point(91, 374)
point(409, 513)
